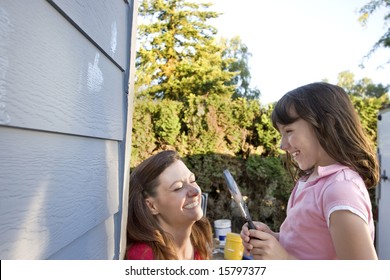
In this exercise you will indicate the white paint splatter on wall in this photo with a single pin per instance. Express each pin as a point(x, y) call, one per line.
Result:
point(4, 31)
point(114, 34)
point(95, 75)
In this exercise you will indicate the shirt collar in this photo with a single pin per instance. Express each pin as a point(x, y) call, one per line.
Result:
point(324, 171)
point(330, 169)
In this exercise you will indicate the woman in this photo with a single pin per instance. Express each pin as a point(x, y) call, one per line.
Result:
point(165, 218)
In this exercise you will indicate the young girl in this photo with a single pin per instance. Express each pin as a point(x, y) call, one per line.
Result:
point(165, 218)
point(329, 211)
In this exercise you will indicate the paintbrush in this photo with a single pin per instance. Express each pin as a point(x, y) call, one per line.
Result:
point(237, 197)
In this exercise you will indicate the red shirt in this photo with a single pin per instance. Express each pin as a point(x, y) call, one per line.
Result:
point(142, 251)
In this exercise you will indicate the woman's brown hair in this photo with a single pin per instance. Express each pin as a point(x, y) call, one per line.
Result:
point(143, 227)
point(336, 123)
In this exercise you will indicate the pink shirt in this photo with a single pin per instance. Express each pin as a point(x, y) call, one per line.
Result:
point(305, 233)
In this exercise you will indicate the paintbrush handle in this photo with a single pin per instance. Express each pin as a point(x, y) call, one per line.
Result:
point(248, 217)
point(251, 225)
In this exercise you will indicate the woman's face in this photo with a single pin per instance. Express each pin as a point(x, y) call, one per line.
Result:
point(178, 199)
point(301, 142)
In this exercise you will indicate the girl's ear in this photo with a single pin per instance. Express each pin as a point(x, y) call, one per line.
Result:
point(151, 205)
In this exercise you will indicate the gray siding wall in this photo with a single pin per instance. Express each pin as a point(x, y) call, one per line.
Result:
point(64, 73)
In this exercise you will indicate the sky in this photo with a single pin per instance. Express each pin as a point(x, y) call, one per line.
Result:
point(296, 42)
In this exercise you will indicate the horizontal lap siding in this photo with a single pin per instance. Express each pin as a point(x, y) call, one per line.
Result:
point(55, 79)
point(63, 110)
point(102, 247)
point(108, 31)
point(54, 188)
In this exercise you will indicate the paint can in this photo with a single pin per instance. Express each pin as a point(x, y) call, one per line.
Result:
point(234, 250)
point(222, 227)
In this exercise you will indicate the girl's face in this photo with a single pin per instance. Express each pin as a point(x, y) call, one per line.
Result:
point(178, 199)
point(301, 142)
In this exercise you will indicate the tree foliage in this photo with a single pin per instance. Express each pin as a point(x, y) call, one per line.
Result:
point(366, 11)
point(177, 53)
point(239, 54)
point(363, 88)
point(368, 109)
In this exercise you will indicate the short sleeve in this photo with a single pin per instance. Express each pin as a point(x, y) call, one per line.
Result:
point(347, 194)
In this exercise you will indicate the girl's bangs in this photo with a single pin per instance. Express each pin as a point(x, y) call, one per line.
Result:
point(282, 113)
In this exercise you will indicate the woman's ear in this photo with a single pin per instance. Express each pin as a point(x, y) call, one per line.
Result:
point(151, 205)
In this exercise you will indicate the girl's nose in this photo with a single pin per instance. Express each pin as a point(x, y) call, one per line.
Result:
point(284, 145)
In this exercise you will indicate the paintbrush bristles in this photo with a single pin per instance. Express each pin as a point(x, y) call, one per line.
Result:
point(237, 197)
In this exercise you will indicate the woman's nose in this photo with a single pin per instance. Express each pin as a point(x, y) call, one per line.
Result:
point(193, 190)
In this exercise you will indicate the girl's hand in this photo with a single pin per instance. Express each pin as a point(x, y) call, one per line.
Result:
point(265, 246)
point(245, 235)
point(262, 243)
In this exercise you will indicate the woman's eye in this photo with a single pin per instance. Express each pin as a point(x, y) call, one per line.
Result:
point(192, 179)
point(178, 188)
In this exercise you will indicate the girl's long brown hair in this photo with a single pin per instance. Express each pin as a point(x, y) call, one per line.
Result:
point(143, 227)
point(330, 111)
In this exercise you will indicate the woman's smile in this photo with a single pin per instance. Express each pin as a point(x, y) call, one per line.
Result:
point(192, 204)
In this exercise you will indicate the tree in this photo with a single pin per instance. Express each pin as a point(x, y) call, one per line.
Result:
point(177, 53)
point(365, 13)
point(238, 52)
point(363, 88)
